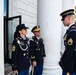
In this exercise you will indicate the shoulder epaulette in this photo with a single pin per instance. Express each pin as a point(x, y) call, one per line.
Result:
point(73, 28)
point(41, 39)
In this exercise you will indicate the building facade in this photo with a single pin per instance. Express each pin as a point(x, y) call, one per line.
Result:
point(44, 13)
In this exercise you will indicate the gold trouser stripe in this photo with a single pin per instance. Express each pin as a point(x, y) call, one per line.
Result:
point(68, 73)
point(32, 70)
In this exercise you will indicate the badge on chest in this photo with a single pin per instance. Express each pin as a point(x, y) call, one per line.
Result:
point(22, 43)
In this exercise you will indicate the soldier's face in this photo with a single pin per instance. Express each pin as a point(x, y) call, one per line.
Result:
point(37, 34)
point(66, 21)
point(23, 31)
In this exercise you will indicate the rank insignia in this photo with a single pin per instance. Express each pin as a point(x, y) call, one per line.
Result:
point(13, 48)
point(70, 41)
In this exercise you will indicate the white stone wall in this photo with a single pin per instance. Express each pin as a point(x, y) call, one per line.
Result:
point(27, 9)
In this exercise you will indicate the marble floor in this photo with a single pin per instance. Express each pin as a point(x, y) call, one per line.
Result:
point(8, 69)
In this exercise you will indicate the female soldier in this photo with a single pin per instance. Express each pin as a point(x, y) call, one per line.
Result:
point(20, 51)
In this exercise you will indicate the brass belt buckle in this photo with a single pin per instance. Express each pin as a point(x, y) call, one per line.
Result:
point(37, 48)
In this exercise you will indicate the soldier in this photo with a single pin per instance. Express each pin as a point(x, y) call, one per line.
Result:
point(20, 51)
point(68, 59)
point(37, 51)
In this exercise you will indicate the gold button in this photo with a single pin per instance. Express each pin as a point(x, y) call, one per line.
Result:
point(24, 54)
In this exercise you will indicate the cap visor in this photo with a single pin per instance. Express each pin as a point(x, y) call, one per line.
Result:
point(26, 28)
point(36, 30)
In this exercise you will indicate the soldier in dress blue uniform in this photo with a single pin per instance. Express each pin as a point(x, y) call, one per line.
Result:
point(20, 51)
point(68, 59)
point(37, 52)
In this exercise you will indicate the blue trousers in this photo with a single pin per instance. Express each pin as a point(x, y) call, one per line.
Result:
point(26, 72)
point(38, 70)
point(65, 73)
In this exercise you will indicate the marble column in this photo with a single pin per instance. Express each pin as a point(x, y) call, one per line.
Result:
point(50, 22)
point(1, 39)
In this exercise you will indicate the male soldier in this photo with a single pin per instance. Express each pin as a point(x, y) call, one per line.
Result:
point(37, 51)
point(68, 59)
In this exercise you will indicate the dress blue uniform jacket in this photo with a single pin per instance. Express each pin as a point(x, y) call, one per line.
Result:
point(68, 59)
point(37, 50)
point(20, 54)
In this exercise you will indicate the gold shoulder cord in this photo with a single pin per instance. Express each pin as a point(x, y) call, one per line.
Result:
point(68, 73)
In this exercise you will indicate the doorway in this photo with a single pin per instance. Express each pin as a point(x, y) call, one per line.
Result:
point(9, 29)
